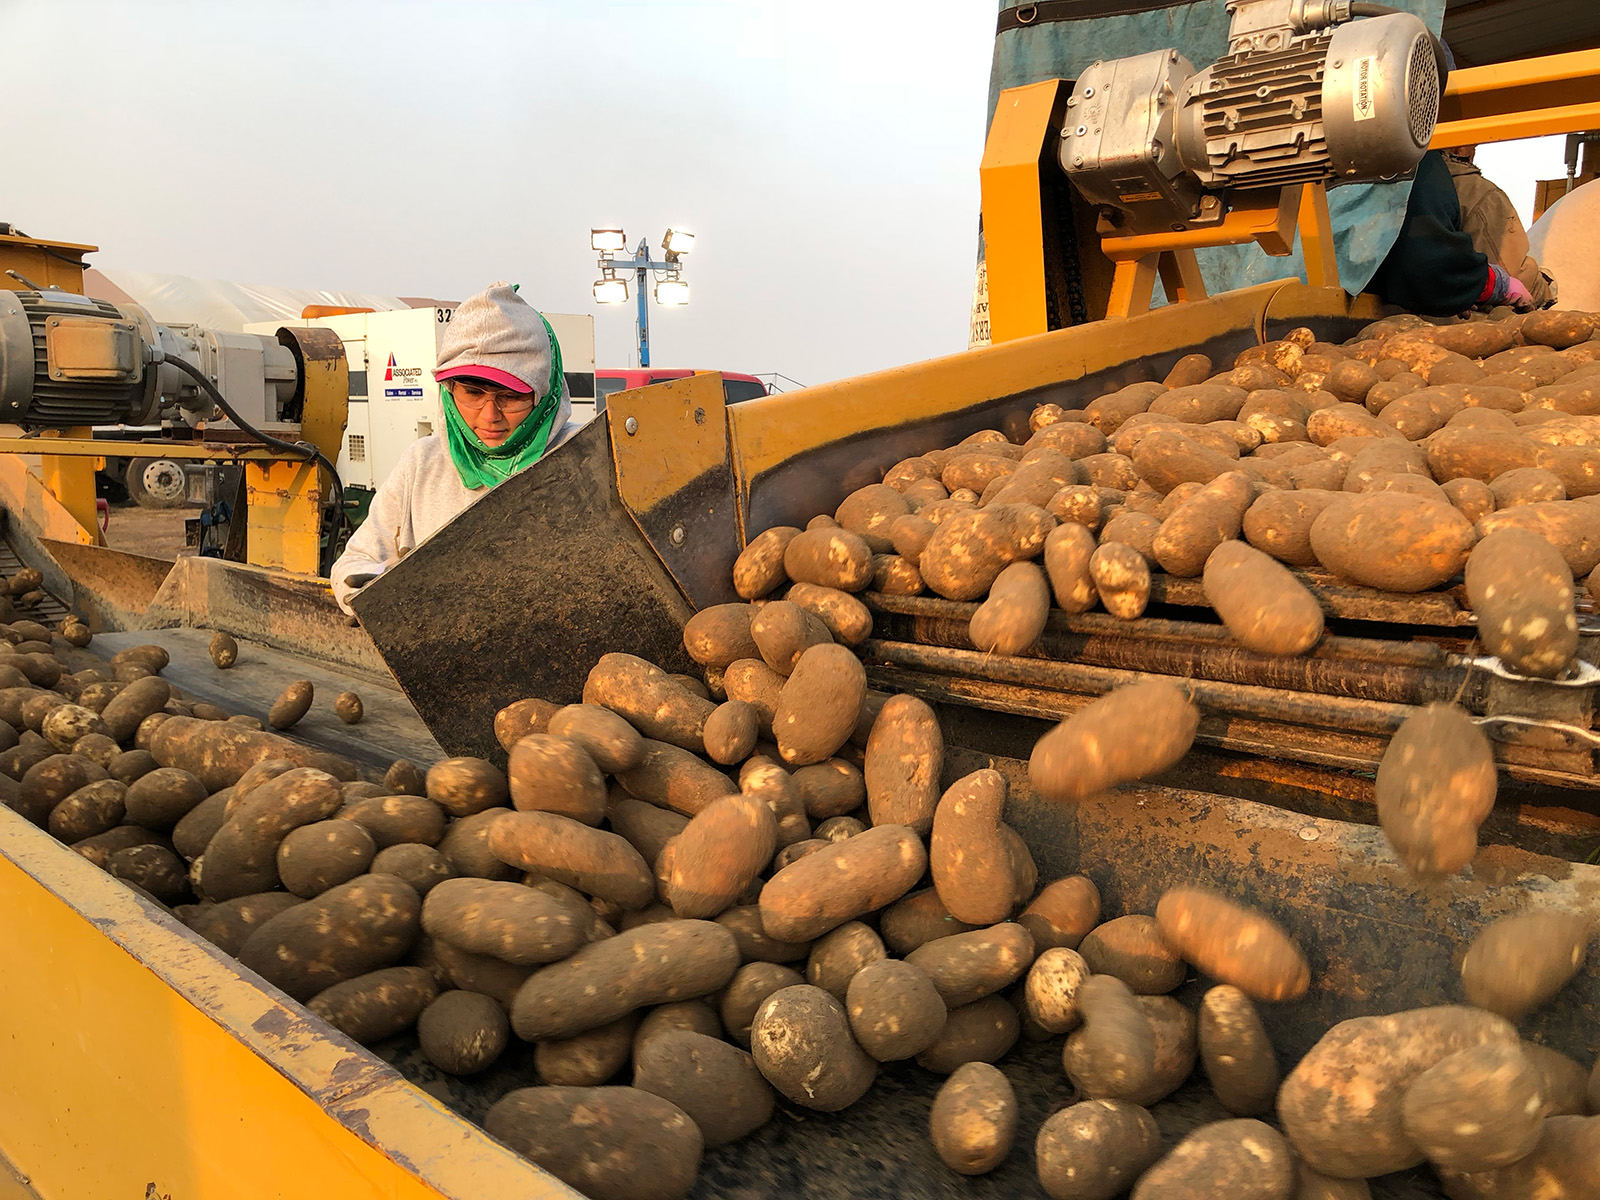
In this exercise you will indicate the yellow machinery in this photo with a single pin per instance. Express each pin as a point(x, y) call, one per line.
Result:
point(141, 1062)
point(108, 364)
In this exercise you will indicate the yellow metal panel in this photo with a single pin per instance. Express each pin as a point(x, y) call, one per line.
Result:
point(1133, 284)
point(766, 433)
point(24, 496)
point(1316, 237)
point(46, 263)
point(679, 432)
point(1013, 221)
point(284, 526)
point(70, 479)
point(139, 1061)
point(1530, 97)
point(324, 386)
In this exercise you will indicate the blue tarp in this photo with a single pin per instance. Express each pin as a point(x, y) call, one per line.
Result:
point(1366, 216)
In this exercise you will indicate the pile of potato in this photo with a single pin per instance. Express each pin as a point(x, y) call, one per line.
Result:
point(700, 898)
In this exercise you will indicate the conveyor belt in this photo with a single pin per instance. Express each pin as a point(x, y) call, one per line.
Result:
point(49, 610)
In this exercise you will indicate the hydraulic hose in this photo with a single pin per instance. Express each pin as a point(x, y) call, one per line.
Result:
point(304, 451)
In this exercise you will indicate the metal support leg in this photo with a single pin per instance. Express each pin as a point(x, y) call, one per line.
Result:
point(70, 480)
point(1316, 237)
point(1132, 285)
point(1180, 276)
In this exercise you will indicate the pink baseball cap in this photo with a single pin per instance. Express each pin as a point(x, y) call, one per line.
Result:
point(482, 371)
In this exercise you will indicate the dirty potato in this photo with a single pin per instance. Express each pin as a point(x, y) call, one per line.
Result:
point(1436, 784)
point(1521, 590)
point(837, 884)
point(1232, 943)
point(717, 1085)
point(1133, 733)
point(1013, 616)
point(1521, 961)
point(1264, 607)
point(1121, 578)
point(1244, 1159)
point(974, 1119)
point(1478, 1109)
point(1237, 1052)
point(293, 703)
point(894, 1009)
point(801, 1042)
point(1095, 1150)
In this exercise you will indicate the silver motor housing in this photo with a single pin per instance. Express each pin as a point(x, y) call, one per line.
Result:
point(1155, 143)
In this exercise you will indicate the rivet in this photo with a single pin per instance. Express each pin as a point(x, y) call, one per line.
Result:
point(1309, 834)
point(677, 534)
point(631, 425)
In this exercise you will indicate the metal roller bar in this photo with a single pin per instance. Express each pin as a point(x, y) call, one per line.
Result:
point(1359, 680)
point(1341, 600)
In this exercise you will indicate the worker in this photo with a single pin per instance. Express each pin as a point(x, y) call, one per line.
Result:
point(1433, 267)
point(1491, 221)
point(505, 406)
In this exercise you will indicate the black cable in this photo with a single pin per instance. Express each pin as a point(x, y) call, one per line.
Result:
point(304, 451)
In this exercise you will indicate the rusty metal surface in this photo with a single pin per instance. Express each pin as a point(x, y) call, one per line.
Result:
point(521, 594)
point(113, 589)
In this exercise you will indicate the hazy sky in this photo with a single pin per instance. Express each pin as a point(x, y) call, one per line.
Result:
point(825, 154)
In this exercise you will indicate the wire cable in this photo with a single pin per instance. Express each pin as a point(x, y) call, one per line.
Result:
point(303, 451)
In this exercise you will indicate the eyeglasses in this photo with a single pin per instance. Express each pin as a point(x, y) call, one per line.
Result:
point(474, 400)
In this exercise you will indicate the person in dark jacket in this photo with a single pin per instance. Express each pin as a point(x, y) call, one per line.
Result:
point(1433, 268)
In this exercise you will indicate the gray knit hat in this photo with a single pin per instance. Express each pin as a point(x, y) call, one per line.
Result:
point(499, 337)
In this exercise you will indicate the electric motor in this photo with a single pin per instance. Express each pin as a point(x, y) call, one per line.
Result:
point(1156, 143)
point(68, 360)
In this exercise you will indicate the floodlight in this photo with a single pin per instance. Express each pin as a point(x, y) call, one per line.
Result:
point(610, 291)
point(672, 291)
point(608, 240)
point(677, 241)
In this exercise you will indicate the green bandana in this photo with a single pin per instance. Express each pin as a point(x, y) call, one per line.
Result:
point(487, 466)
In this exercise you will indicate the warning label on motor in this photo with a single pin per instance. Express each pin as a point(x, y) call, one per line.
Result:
point(1361, 94)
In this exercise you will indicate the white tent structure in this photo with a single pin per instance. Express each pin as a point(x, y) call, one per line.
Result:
point(223, 305)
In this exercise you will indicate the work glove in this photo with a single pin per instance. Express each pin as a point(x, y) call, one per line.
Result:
point(1518, 295)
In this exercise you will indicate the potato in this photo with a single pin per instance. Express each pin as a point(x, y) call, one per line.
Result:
point(405, 778)
point(759, 568)
point(832, 788)
point(974, 1119)
point(1477, 1109)
point(1436, 784)
point(1177, 1049)
point(159, 799)
point(747, 991)
point(93, 809)
point(1122, 578)
point(1564, 1166)
point(904, 758)
point(1264, 607)
point(463, 1033)
point(744, 921)
point(758, 685)
point(241, 858)
point(969, 966)
point(1341, 1106)
point(649, 700)
point(153, 869)
point(1050, 995)
point(1558, 329)
point(731, 732)
point(423, 867)
point(1062, 913)
point(647, 828)
point(1562, 1081)
point(1526, 485)
point(218, 753)
point(1188, 370)
point(504, 920)
point(833, 558)
point(719, 854)
point(596, 862)
point(1520, 962)
point(801, 1043)
point(1392, 541)
point(837, 955)
point(1113, 1054)
point(1013, 616)
point(819, 705)
point(1384, 456)
point(1111, 471)
point(1237, 1052)
point(392, 820)
point(896, 576)
point(1095, 1150)
point(1136, 530)
point(1067, 552)
point(1576, 468)
point(1131, 948)
point(717, 1085)
point(1167, 457)
point(1313, 1185)
point(1109, 411)
point(132, 704)
point(315, 857)
point(377, 1005)
point(517, 720)
point(1521, 590)
point(66, 724)
point(1231, 943)
point(612, 1143)
point(1571, 526)
point(1202, 523)
point(1478, 454)
point(675, 779)
point(1245, 1159)
point(973, 871)
point(586, 1059)
point(228, 925)
point(606, 980)
point(480, 972)
point(693, 1016)
point(1471, 496)
point(894, 1009)
point(1133, 733)
point(717, 635)
point(293, 703)
point(347, 931)
point(868, 511)
point(919, 918)
point(1416, 415)
point(824, 890)
point(609, 741)
point(765, 780)
point(784, 631)
point(1198, 404)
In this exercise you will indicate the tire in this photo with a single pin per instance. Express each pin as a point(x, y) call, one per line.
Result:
point(156, 483)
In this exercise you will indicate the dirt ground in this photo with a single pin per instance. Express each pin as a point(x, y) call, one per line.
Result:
point(156, 532)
